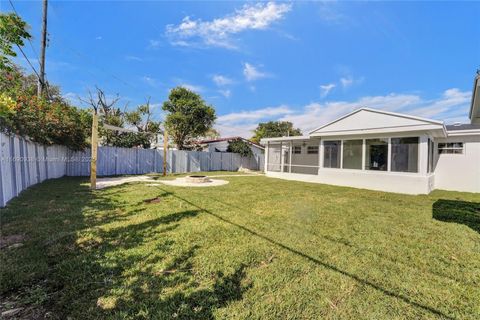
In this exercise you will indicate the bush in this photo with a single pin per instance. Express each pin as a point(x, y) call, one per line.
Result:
point(241, 147)
point(45, 122)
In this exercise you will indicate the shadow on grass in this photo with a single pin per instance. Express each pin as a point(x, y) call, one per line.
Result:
point(318, 262)
point(456, 211)
point(79, 265)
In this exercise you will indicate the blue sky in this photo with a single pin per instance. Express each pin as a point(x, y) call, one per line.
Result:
point(306, 62)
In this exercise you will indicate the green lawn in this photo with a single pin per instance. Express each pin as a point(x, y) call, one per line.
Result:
point(257, 248)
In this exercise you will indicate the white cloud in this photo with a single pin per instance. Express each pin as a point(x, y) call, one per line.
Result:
point(254, 115)
point(151, 81)
point(221, 80)
point(226, 93)
point(325, 89)
point(243, 123)
point(218, 32)
point(349, 81)
point(192, 87)
point(244, 131)
point(133, 58)
point(452, 105)
point(346, 82)
point(251, 73)
point(154, 43)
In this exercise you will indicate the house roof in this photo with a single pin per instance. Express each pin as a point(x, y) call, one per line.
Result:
point(475, 103)
point(208, 141)
point(373, 121)
point(401, 115)
point(463, 126)
point(290, 138)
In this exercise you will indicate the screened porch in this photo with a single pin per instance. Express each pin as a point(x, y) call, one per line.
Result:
point(294, 156)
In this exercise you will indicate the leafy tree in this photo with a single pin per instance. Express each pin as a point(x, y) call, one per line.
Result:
point(188, 116)
point(241, 147)
point(110, 114)
point(273, 129)
point(13, 31)
point(211, 134)
point(141, 118)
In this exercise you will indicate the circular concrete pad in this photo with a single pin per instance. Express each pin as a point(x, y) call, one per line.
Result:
point(182, 182)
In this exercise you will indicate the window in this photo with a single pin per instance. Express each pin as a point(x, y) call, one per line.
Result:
point(404, 154)
point(352, 154)
point(376, 157)
point(297, 149)
point(331, 156)
point(450, 148)
point(312, 150)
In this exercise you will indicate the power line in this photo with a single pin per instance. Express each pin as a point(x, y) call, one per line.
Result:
point(26, 58)
point(35, 53)
point(29, 41)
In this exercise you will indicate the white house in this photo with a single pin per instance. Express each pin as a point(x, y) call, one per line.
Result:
point(385, 151)
point(221, 145)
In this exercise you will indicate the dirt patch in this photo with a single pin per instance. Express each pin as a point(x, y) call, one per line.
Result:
point(12, 241)
point(152, 200)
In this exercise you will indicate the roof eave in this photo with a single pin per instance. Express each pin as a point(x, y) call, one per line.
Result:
point(474, 103)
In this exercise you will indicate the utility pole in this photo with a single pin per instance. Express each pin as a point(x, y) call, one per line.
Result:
point(41, 80)
point(93, 163)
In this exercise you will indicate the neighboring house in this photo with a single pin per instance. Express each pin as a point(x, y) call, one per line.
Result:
point(221, 145)
point(385, 151)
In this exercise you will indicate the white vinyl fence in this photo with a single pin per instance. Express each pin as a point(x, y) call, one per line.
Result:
point(25, 163)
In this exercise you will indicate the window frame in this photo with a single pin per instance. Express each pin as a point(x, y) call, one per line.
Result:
point(388, 138)
point(317, 150)
point(418, 153)
point(362, 155)
point(387, 157)
point(339, 154)
point(294, 148)
point(442, 149)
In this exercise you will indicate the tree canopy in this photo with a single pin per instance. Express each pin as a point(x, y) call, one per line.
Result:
point(241, 147)
point(273, 129)
point(189, 116)
point(13, 31)
point(139, 120)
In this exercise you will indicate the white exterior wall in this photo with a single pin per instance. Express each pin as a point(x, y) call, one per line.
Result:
point(459, 172)
point(381, 181)
point(399, 182)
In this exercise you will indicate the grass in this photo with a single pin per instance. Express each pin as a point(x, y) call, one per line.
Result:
point(257, 248)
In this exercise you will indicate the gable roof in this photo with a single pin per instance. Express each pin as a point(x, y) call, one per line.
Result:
point(367, 120)
point(475, 104)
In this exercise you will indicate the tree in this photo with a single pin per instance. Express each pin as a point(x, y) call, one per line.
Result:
point(141, 118)
point(241, 147)
point(211, 134)
point(110, 114)
point(273, 129)
point(13, 31)
point(188, 116)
